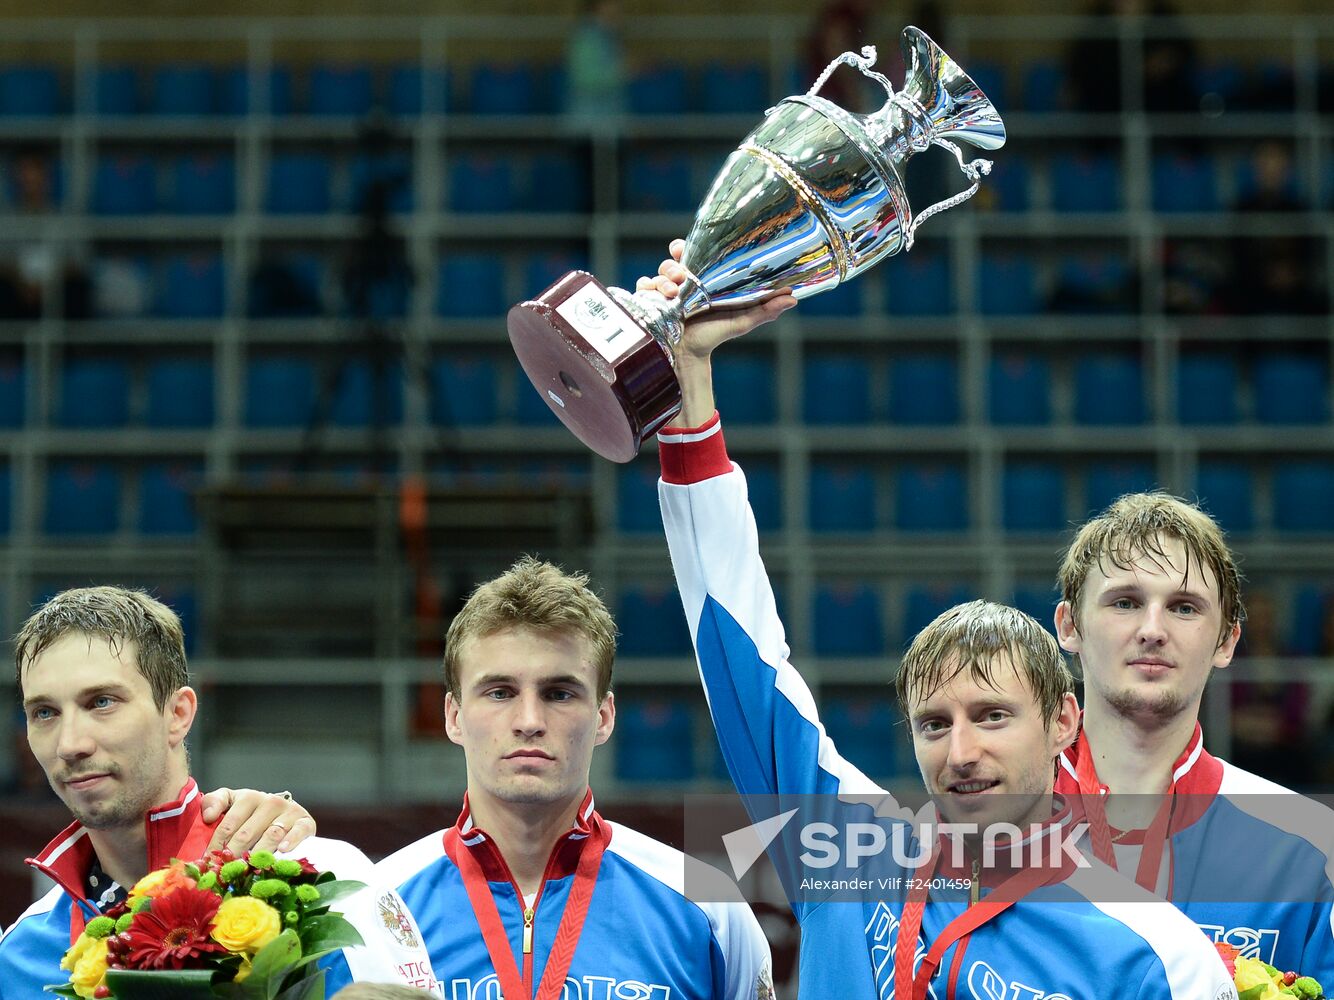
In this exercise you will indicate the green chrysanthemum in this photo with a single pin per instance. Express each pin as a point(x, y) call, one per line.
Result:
point(270, 888)
point(140, 903)
point(208, 880)
point(123, 924)
point(307, 894)
point(263, 860)
point(233, 870)
point(100, 927)
point(287, 868)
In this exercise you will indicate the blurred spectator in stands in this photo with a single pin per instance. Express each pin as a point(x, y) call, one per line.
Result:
point(1269, 709)
point(595, 68)
point(841, 26)
point(1093, 62)
point(1195, 273)
point(37, 266)
point(1275, 272)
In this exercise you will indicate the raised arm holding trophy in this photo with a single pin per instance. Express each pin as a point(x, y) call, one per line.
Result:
point(810, 199)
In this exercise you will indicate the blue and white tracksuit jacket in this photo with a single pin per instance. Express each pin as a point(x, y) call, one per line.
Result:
point(642, 938)
point(32, 947)
point(774, 744)
point(1249, 861)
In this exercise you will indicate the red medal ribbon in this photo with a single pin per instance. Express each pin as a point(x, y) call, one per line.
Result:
point(1016, 887)
point(513, 984)
point(1156, 837)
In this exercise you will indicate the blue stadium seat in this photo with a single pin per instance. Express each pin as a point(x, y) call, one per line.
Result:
point(192, 286)
point(923, 605)
point(651, 622)
point(1184, 184)
point(1291, 389)
point(202, 184)
point(471, 284)
point(747, 385)
point(662, 744)
point(1223, 78)
point(13, 392)
point(637, 497)
point(234, 97)
point(496, 89)
point(1044, 85)
point(848, 620)
point(1247, 183)
point(1086, 182)
point(1008, 185)
point(280, 392)
point(341, 89)
point(82, 498)
point(1019, 390)
point(930, 496)
point(863, 730)
point(659, 90)
point(288, 286)
point(30, 90)
point(6, 486)
point(1006, 285)
point(482, 182)
point(94, 392)
point(734, 89)
point(355, 403)
point(766, 495)
point(990, 77)
point(1093, 282)
point(181, 599)
point(393, 171)
point(166, 498)
point(1301, 496)
point(656, 181)
point(463, 391)
point(125, 185)
point(407, 88)
point(1038, 601)
point(531, 408)
point(634, 264)
point(183, 89)
point(559, 183)
point(924, 390)
point(1225, 490)
point(1109, 390)
point(842, 300)
point(1033, 497)
point(1104, 482)
point(299, 184)
point(117, 90)
point(918, 284)
point(1207, 389)
point(180, 392)
point(1306, 636)
point(842, 497)
point(837, 389)
point(543, 269)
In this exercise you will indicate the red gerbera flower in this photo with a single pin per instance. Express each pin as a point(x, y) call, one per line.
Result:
point(174, 934)
point(1228, 953)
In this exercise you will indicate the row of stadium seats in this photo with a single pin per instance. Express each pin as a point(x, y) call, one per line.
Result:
point(838, 389)
point(313, 182)
point(88, 498)
point(354, 89)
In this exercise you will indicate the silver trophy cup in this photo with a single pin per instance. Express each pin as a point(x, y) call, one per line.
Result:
point(810, 199)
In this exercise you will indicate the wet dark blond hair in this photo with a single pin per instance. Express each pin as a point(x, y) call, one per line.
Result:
point(1135, 527)
point(971, 638)
point(540, 596)
point(120, 616)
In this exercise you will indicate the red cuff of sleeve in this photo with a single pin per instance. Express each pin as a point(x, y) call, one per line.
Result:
point(693, 454)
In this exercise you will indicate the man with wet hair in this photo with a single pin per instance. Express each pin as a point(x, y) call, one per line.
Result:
point(989, 704)
point(1151, 606)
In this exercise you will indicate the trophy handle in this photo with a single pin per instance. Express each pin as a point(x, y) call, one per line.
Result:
point(974, 170)
point(862, 63)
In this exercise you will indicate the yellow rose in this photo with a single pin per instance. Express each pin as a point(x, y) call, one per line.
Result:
point(1251, 972)
point(90, 971)
point(244, 924)
point(76, 951)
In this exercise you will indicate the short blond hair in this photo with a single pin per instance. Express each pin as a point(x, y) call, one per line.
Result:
point(540, 596)
point(120, 616)
point(972, 638)
point(1133, 528)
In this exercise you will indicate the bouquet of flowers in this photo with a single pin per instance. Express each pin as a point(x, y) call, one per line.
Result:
point(1257, 980)
point(228, 927)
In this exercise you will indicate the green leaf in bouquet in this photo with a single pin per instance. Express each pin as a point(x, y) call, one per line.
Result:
point(270, 965)
point(309, 988)
point(64, 990)
point(1254, 993)
point(328, 933)
point(161, 984)
point(334, 890)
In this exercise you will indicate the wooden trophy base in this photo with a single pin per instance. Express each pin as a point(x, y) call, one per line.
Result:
point(608, 380)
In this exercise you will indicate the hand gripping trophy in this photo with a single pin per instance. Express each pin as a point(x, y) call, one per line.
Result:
point(813, 197)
